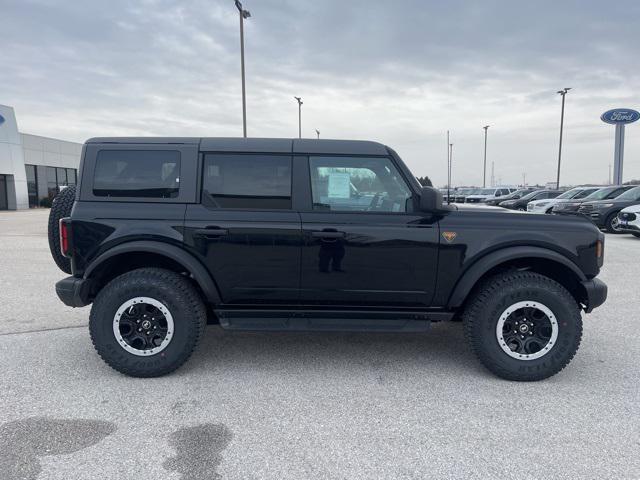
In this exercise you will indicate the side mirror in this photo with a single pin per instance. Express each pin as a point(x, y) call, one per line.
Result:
point(430, 200)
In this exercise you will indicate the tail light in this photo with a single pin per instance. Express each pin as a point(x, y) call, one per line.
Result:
point(65, 237)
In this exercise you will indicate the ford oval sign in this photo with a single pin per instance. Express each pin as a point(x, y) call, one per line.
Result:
point(620, 116)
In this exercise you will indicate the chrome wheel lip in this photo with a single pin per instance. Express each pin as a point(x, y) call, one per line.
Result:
point(138, 301)
point(524, 304)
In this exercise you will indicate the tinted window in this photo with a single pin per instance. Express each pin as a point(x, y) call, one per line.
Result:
point(32, 185)
point(357, 184)
point(585, 193)
point(137, 173)
point(248, 181)
point(52, 184)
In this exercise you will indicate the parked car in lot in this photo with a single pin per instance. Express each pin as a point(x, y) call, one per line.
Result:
point(570, 206)
point(512, 196)
point(604, 213)
point(462, 193)
point(485, 194)
point(629, 220)
point(545, 206)
point(521, 203)
point(164, 234)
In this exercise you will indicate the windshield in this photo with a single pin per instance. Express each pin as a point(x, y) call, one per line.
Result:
point(531, 195)
point(570, 193)
point(601, 194)
point(585, 193)
point(486, 191)
point(633, 194)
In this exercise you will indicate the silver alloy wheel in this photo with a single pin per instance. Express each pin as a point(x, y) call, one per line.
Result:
point(143, 326)
point(527, 330)
point(615, 224)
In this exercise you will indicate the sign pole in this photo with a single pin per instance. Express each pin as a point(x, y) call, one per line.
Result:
point(618, 154)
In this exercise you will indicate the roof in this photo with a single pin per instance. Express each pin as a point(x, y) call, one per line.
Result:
point(270, 145)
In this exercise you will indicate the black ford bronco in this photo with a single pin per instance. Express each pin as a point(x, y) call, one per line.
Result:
point(163, 235)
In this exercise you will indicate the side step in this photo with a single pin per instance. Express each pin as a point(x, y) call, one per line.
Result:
point(324, 320)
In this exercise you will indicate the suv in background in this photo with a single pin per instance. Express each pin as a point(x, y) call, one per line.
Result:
point(461, 194)
point(604, 213)
point(165, 234)
point(512, 196)
point(570, 206)
point(485, 194)
point(521, 203)
point(629, 220)
point(545, 206)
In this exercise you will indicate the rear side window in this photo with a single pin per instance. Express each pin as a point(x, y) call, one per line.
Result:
point(247, 181)
point(137, 173)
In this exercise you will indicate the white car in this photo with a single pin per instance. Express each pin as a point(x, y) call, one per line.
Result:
point(545, 206)
point(629, 220)
point(489, 193)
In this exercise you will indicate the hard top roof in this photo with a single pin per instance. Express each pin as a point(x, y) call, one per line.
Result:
point(256, 145)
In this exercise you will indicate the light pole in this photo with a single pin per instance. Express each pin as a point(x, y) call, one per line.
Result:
point(299, 99)
point(484, 169)
point(243, 14)
point(450, 161)
point(562, 92)
point(318, 133)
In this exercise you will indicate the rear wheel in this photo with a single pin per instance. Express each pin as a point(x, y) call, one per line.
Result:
point(523, 326)
point(147, 322)
point(61, 208)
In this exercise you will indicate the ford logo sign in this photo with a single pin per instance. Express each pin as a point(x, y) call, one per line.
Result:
point(620, 116)
point(1, 119)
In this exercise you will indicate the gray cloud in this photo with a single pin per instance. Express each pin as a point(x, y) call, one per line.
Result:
point(399, 72)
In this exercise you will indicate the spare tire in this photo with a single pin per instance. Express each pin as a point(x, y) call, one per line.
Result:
point(60, 208)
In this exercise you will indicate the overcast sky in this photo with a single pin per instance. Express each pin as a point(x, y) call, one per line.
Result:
point(400, 72)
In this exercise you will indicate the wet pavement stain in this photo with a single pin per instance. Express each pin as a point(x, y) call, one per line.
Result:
point(23, 441)
point(198, 451)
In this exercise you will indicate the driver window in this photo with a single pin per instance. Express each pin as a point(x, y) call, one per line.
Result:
point(357, 184)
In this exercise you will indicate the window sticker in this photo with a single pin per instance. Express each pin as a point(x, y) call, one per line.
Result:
point(339, 185)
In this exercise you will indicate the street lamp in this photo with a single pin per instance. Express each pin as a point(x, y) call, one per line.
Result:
point(562, 92)
point(484, 169)
point(299, 99)
point(318, 133)
point(243, 14)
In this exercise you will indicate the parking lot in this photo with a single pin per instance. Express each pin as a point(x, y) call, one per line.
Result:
point(305, 406)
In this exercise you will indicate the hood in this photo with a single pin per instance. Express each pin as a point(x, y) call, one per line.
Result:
point(632, 209)
point(483, 208)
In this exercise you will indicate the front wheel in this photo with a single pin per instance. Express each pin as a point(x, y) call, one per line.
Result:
point(147, 322)
point(523, 326)
point(612, 224)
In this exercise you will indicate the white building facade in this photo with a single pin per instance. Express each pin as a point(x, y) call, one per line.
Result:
point(33, 168)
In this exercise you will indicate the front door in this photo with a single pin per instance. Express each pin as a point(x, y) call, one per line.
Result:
point(245, 231)
point(363, 246)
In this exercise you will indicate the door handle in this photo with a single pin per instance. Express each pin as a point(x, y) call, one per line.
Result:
point(326, 234)
point(210, 232)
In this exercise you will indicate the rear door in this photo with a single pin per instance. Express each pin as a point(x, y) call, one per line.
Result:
point(244, 229)
point(363, 243)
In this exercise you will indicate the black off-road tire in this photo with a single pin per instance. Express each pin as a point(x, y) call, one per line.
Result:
point(635, 234)
point(172, 290)
point(608, 224)
point(501, 291)
point(60, 208)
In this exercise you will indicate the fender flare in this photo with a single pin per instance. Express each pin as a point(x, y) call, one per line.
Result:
point(469, 278)
point(188, 261)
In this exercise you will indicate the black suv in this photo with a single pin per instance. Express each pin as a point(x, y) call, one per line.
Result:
point(604, 213)
point(277, 234)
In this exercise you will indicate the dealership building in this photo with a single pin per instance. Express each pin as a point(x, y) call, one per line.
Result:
point(33, 168)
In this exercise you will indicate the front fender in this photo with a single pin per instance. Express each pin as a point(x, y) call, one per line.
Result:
point(470, 277)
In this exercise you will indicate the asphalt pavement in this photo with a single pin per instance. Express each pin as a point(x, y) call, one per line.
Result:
point(306, 406)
